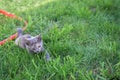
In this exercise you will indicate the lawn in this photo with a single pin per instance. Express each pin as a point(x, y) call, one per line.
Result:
point(82, 37)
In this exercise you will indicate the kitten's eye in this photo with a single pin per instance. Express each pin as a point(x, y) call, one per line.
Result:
point(39, 46)
point(27, 43)
point(33, 48)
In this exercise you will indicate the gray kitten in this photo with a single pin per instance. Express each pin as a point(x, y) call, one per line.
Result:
point(32, 44)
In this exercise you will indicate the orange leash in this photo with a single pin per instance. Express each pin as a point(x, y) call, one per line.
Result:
point(3, 12)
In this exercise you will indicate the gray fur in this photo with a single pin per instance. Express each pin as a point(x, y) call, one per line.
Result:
point(48, 58)
point(33, 44)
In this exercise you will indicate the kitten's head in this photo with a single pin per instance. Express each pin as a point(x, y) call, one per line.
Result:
point(34, 44)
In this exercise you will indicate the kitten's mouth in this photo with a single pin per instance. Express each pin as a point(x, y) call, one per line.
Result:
point(37, 52)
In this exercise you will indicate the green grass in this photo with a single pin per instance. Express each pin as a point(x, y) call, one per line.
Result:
point(82, 37)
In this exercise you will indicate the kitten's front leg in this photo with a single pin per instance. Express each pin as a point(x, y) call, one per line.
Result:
point(47, 56)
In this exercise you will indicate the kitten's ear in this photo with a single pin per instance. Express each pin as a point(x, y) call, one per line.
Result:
point(38, 37)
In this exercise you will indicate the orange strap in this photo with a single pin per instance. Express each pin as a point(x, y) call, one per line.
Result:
point(3, 12)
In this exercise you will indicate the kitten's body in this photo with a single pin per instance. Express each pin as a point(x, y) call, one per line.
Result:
point(31, 43)
point(20, 41)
